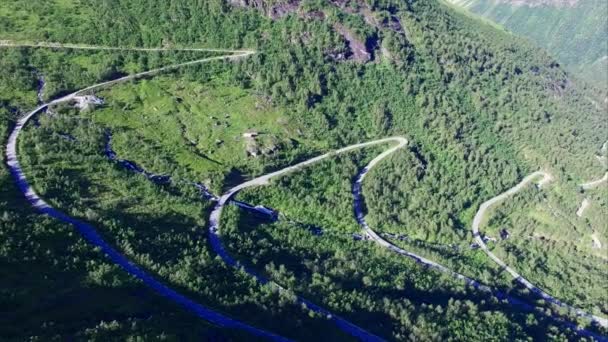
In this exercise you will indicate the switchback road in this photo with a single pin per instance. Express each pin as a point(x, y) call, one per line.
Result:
point(89, 232)
point(93, 237)
point(481, 213)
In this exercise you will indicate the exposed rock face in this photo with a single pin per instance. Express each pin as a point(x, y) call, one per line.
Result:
point(247, 3)
point(346, 5)
point(275, 11)
point(314, 15)
point(360, 50)
point(257, 145)
point(251, 147)
point(86, 102)
point(357, 47)
point(282, 10)
point(391, 22)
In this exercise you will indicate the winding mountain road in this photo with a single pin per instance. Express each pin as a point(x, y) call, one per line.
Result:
point(360, 216)
point(89, 232)
point(216, 214)
point(215, 237)
point(51, 45)
point(602, 159)
point(481, 213)
point(590, 185)
point(94, 238)
point(595, 183)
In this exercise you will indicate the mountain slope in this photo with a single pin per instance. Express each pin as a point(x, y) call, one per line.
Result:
point(575, 32)
point(481, 109)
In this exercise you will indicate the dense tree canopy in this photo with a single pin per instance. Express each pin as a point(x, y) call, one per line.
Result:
point(480, 107)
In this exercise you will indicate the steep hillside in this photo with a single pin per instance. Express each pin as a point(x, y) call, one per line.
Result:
point(575, 32)
point(480, 108)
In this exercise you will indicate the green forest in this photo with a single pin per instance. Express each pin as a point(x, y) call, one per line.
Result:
point(480, 107)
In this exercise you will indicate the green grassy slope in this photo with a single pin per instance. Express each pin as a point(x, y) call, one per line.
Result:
point(53, 284)
point(576, 35)
point(482, 108)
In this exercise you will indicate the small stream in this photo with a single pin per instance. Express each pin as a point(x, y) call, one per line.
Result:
point(39, 95)
point(166, 179)
point(41, 87)
point(133, 167)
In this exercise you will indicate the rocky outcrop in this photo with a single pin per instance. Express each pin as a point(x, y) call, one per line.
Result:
point(358, 49)
point(274, 11)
